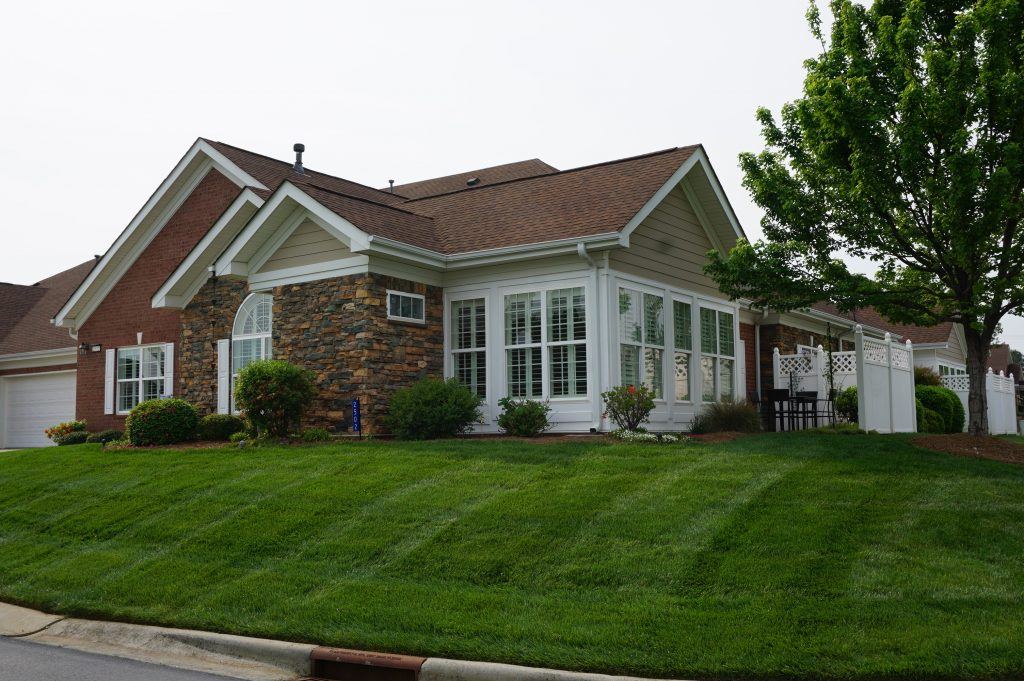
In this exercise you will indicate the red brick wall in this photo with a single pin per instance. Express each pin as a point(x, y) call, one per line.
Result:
point(749, 357)
point(127, 309)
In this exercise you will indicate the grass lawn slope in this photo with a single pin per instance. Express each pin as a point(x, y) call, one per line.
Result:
point(800, 555)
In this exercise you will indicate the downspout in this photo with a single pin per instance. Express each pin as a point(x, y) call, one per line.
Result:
point(593, 380)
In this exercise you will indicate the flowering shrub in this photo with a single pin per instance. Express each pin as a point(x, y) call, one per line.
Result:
point(643, 436)
point(628, 405)
point(60, 431)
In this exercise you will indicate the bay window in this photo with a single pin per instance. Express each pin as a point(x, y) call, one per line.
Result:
point(642, 340)
point(469, 344)
point(717, 361)
point(523, 345)
point(140, 376)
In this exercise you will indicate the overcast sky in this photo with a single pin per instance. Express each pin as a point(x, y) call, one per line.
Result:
point(102, 99)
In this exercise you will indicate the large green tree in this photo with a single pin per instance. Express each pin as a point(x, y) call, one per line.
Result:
point(907, 150)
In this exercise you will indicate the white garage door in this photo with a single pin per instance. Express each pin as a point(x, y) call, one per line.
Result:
point(33, 403)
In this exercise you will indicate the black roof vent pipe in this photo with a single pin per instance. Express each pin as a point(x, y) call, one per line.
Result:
point(298, 148)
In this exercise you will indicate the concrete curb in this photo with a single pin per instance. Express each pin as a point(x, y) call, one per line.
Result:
point(258, 659)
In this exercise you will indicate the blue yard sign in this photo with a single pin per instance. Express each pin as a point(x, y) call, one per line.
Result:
point(357, 426)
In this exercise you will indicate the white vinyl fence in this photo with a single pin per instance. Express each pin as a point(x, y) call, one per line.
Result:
point(999, 391)
point(882, 370)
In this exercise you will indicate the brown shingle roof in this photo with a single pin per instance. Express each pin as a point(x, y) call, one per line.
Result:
point(999, 358)
point(392, 222)
point(585, 201)
point(33, 331)
point(15, 301)
point(485, 176)
point(871, 317)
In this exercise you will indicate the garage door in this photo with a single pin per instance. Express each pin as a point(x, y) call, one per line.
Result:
point(31, 404)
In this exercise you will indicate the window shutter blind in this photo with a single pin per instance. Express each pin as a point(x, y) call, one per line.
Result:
point(108, 382)
point(223, 376)
point(169, 370)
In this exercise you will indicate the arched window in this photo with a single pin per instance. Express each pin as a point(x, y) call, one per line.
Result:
point(250, 336)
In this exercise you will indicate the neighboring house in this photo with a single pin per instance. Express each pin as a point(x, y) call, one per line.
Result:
point(37, 359)
point(518, 280)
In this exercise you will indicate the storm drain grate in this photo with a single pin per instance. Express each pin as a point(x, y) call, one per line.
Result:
point(357, 665)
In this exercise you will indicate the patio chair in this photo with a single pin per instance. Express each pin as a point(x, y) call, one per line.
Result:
point(781, 411)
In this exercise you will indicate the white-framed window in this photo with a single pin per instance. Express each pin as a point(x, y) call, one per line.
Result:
point(251, 334)
point(642, 340)
point(406, 307)
point(682, 336)
point(718, 354)
point(140, 375)
point(469, 343)
point(546, 343)
point(949, 370)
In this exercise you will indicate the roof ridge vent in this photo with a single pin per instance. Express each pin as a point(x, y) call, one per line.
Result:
point(473, 181)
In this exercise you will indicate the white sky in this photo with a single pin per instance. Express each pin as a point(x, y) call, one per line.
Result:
point(101, 100)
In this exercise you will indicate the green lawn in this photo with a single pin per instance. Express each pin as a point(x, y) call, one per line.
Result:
point(800, 555)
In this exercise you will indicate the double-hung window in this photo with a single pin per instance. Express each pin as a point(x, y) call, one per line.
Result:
point(718, 350)
point(523, 364)
point(567, 342)
point(682, 324)
point(642, 340)
point(469, 344)
point(140, 376)
point(546, 340)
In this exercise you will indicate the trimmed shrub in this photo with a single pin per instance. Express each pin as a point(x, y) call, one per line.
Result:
point(240, 436)
point(118, 446)
point(219, 426)
point(105, 436)
point(926, 376)
point(846, 404)
point(316, 435)
point(929, 420)
point(432, 408)
point(75, 437)
point(945, 402)
point(629, 405)
point(274, 394)
point(523, 418)
point(720, 417)
point(161, 422)
point(58, 432)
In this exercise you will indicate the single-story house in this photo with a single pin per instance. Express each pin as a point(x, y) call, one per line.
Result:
point(518, 280)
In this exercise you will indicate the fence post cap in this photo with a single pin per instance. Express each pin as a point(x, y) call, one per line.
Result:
point(888, 337)
point(990, 370)
point(858, 329)
point(909, 344)
point(820, 348)
point(1001, 373)
point(775, 351)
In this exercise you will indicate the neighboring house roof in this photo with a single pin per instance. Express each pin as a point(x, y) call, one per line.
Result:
point(999, 358)
point(482, 177)
point(15, 301)
point(870, 317)
point(32, 331)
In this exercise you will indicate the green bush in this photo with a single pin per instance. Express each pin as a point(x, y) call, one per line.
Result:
point(161, 422)
point(945, 402)
point(219, 426)
point(431, 408)
point(929, 420)
point(316, 435)
point(629, 405)
point(240, 436)
point(61, 430)
point(75, 437)
point(523, 418)
point(926, 376)
point(105, 436)
point(846, 404)
point(274, 394)
point(727, 416)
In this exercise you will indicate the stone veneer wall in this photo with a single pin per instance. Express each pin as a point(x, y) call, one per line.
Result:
point(338, 328)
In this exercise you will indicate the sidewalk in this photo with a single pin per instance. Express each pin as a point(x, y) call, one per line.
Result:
point(257, 659)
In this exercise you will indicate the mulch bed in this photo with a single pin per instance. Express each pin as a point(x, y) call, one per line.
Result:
point(976, 447)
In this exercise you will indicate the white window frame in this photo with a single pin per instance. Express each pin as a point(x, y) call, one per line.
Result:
point(414, 296)
point(666, 347)
point(951, 369)
point(486, 348)
point(693, 351)
point(140, 379)
point(501, 386)
point(717, 356)
point(267, 339)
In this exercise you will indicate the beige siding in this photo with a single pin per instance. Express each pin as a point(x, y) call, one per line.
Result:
point(307, 245)
point(669, 246)
point(954, 354)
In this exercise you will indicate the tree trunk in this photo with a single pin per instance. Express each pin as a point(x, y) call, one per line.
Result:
point(977, 399)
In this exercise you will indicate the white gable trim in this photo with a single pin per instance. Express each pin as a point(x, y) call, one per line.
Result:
point(140, 232)
point(702, 216)
point(697, 158)
point(202, 256)
point(236, 261)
